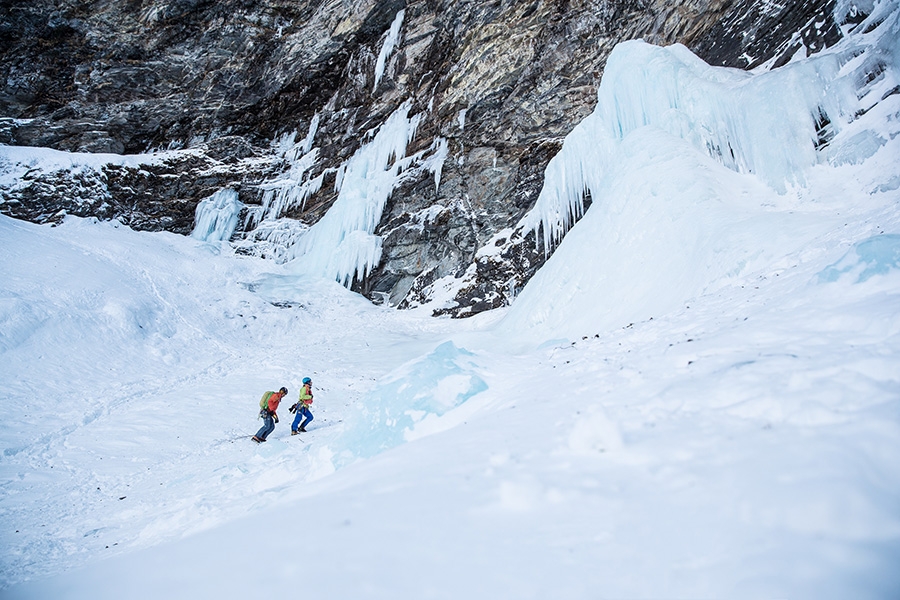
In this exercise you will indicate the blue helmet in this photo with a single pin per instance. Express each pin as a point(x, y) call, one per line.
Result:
point(306, 380)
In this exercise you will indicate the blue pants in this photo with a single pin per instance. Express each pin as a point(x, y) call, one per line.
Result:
point(267, 428)
point(301, 413)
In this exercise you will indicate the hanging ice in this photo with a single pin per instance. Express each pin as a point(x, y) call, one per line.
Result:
point(435, 162)
point(216, 217)
point(306, 144)
point(341, 245)
point(295, 186)
point(390, 43)
point(772, 124)
point(289, 149)
point(685, 165)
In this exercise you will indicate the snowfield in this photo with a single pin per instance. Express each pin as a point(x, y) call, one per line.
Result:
point(697, 396)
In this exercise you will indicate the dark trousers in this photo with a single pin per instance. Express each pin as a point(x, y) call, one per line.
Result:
point(267, 428)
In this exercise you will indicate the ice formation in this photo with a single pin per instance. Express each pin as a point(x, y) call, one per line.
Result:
point(341, 246)
point(390, 43)
point(217, 216)
point(877, 255)
point(435, 162)
point(292, 189)
point(272, 238)
point(701, 177)
point(411, 401)
point(288, 148)
point(775, 124)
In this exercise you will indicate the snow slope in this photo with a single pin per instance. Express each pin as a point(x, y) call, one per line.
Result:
point(697, 396)
point(133, 363)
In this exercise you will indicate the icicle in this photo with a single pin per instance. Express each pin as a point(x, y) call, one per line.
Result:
point(339, 177)
point(307, 143)
point(272, 239)
point(285, 144)
point(435, 162)
point(390, 43)
point(773, 124)
point(288, 148)
point(293, 189)
point(216, 217)
point(341, 245)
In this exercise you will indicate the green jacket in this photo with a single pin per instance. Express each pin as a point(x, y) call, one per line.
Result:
point(306, 396)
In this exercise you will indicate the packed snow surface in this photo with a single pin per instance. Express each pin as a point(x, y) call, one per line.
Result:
point(698, 395)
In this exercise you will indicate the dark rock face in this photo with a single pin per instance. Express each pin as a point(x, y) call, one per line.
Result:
point(754, 33)
point(501, 81)
point(162, 195)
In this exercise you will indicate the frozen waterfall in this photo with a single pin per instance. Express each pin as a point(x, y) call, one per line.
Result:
point(774, 124)
point(341, 246)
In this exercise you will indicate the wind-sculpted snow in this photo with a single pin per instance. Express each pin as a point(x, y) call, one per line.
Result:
point(130, 370)
point(742, 446)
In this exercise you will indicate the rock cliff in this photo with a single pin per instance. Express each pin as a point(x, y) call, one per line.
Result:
point(271, 98)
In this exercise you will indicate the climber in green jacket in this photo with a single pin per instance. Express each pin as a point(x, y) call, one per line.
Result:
point(303, 416)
